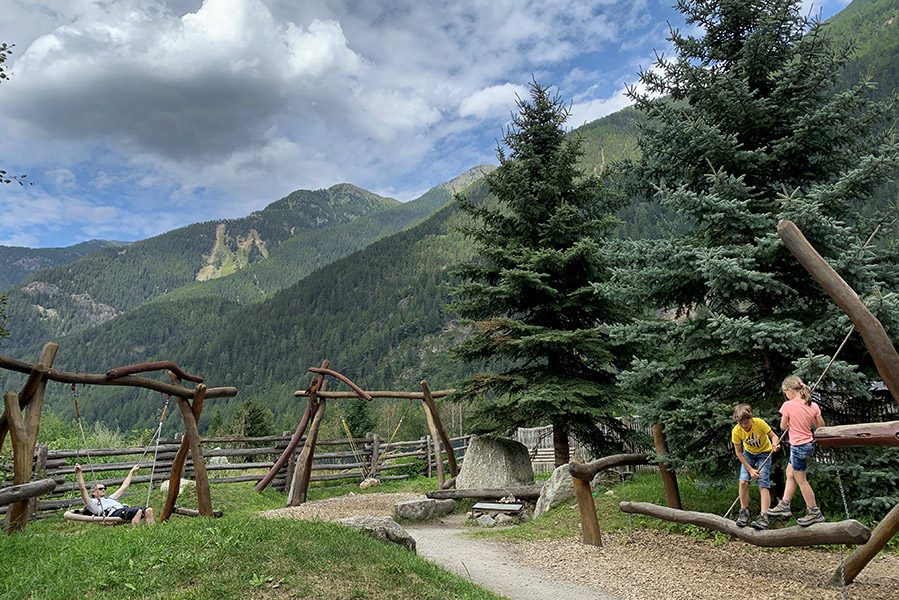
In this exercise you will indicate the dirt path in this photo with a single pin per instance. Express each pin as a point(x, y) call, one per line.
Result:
point(493, 565)
point(647, 566)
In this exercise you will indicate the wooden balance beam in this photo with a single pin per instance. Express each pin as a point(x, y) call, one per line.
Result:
point(841, 532)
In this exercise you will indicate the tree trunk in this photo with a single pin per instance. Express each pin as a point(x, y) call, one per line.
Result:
point(561, 449)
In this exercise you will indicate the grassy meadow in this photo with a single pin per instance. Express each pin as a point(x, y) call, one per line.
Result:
point(242, 555)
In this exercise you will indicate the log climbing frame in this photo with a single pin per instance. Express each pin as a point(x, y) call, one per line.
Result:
point(868, 543)
point(21, 419)
point(318, 395)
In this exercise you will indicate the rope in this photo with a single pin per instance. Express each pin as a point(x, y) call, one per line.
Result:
point(356, 454)
point(87, 453)
point(156, 451)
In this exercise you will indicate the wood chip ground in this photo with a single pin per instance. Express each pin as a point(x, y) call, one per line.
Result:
point(655, 565)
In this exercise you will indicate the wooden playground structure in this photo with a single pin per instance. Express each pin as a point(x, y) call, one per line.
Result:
point(851, 532)
point(22, 414)
point(318, 396)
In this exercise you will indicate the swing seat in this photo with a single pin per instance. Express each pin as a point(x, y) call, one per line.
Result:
point(82, 516)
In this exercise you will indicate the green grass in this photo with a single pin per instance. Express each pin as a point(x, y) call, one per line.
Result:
point(237, 556)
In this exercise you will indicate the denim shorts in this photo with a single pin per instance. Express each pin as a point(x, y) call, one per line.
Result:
point(799, 456)
point(755, 461)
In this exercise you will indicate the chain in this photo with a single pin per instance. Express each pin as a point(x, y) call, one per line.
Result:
point(630, 516)
point(842, 558)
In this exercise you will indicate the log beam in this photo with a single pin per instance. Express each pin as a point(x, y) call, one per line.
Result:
point(862, 555)
point(859, 434)
point(587, 471)
point(886, 359)
point(842, 532)
point(377, 394)
point(178, 465)
point(152, 366)
point(15, 493)
point(527, 492)
point(433, 415)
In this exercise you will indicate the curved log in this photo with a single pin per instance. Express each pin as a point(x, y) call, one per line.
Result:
point(152, 366)
point(343, 378)
point(586, 472)
point(19, 366)
point(376, 394)
point(886, 359)
point(15, 493)
point(841, 532)
point(859, 434)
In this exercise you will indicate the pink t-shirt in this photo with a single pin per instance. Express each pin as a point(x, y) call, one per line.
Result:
point(802, 416)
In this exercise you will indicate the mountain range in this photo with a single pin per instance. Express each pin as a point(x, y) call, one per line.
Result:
point(342, 274)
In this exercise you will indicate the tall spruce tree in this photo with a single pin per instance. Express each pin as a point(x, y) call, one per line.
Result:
point(744, 128)
point(534, 315)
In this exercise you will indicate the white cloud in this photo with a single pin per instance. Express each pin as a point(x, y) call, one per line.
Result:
point(496, 100)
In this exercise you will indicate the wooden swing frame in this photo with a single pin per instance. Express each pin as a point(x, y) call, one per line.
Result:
point(312, 417)
point(23, 428)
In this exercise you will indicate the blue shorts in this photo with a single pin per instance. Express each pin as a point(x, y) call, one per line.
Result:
point(755, 461)
point(799, 456)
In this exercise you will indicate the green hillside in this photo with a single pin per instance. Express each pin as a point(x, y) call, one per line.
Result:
point(376, 314)
point(17, 263)
point(111, 281)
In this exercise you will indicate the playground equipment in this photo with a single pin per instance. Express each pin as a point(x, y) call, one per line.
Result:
point(23, 428)
point(315, 409)
point(886, 359)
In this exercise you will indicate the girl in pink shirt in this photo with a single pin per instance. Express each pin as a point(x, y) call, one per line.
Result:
point(799, 414)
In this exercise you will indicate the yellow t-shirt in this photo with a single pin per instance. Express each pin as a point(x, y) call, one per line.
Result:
point(755, 440)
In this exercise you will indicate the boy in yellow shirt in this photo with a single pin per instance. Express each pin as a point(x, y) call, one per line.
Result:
point(753, 443)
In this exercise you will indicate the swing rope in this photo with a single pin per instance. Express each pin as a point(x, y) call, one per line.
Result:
point(157, 436)
point(369, 473)
point(81, 430)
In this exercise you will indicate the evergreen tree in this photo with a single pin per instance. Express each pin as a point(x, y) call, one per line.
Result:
point(253, 419)
point(528, 298)
point(357, 418)
point(744, 128)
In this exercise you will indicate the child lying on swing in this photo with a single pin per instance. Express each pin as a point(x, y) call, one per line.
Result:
point(99, 504)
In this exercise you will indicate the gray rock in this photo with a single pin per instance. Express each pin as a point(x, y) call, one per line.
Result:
point(444, 507)
point(557, 489)
point(415, 510)
point(495, 462)
point(381, 528)
point(504, 519)
point(486, 521)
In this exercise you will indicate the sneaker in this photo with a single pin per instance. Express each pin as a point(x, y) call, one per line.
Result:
point(743, 517)
point(812, 516)
point(781, 511)
point(760, 523)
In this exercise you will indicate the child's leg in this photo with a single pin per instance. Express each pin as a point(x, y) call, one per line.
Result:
point(744, 494)
point(790, 485)
point(148, 516)
point(765, 494)
point(808, 494)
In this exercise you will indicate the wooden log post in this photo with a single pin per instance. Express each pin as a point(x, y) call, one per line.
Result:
point(669, 479)
point(862, 555)
point(582, 475)
point(431, 409)
point(180, 458)
point(590, 532)
point(375, 452)
point(886, 359)
point(24, 430)
point(288, 451)
point(192, 433)
point(299, 487)
point(842, 532)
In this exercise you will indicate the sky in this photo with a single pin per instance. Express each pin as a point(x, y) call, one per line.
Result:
point(134, 117)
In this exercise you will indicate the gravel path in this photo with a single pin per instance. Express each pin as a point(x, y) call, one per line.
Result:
point(651, 566)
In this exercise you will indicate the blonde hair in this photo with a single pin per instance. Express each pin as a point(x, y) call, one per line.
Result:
point(794, 383)
point(742, 411)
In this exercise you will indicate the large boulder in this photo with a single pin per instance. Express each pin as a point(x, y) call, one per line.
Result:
point(495, 462)
point(381, 528)
point(422, 510)
point(557, 489)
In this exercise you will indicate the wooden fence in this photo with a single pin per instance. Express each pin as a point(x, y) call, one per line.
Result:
point(233, 459)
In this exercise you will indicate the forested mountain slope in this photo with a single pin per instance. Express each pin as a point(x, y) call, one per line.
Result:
point(111, 281)
point(17, 263)
point(377, 314)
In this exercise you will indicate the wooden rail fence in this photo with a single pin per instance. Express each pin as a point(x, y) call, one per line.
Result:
point(255, 455)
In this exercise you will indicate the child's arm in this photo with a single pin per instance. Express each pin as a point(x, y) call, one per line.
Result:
point(775, 445)
point(819, 420)
point(738, 450)
point(784, 422)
